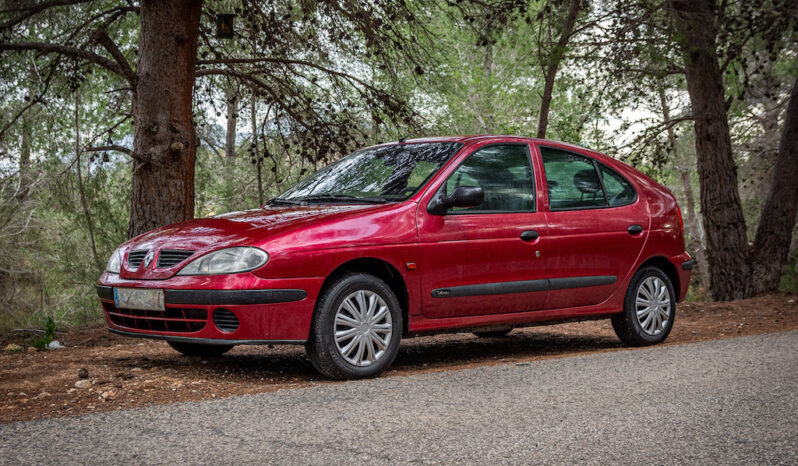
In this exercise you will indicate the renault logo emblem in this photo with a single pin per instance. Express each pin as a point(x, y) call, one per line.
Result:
point(148, 259)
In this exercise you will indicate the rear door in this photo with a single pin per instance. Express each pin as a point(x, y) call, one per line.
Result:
point(485, 259)
point(597, 226)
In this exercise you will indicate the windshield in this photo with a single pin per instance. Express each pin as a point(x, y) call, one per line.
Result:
point(380, 174)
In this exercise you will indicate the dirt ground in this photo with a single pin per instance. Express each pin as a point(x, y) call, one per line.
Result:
point(125, 373)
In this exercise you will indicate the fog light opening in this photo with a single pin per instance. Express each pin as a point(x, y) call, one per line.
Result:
point(225, 320)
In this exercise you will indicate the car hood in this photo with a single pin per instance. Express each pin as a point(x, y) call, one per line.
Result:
point(250, 228)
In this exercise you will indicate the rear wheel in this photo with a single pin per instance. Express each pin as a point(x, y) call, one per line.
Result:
point(649, 309)
point(493, 333)
point(198, 349)
point(356, 328)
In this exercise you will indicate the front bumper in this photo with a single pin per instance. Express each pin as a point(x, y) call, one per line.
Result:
point(267, 311)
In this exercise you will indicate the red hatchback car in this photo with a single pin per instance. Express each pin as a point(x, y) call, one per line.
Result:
point(479, 233)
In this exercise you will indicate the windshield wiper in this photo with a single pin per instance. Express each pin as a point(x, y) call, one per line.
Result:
point(278, 201)
point(343, 198)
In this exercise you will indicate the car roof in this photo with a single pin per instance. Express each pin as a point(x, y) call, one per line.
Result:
point(474, 138)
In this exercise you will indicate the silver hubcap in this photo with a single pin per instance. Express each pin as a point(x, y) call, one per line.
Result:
point(653, 305)
point(363, 328)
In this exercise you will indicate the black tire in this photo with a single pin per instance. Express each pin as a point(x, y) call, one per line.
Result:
point(321, 347)
point(626, 324)
point(198, 349)
point(493, 333)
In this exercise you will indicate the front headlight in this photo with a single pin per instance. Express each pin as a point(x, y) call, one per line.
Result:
point(115, 262)
point(230, 260)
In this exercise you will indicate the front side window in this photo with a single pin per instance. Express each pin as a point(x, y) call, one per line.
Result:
point(503, 172)
point(379, 174)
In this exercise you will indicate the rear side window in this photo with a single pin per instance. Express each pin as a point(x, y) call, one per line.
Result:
point(577, 182)
point(571, 180)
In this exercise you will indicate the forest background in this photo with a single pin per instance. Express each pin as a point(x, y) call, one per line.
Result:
point(120, 116)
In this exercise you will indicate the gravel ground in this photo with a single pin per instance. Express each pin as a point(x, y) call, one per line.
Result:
point(725, 401)
point(125, 373)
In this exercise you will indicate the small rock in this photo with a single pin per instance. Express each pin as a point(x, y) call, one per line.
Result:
point(13, 348)
point(55, 344)
point(790, 301)
point(41, 395)
point(71, 391)
point(109, 395)
point(83, 384)
point(83, 373)
point(31, 349)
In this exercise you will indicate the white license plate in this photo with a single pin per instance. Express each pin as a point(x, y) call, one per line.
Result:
point(139, 298)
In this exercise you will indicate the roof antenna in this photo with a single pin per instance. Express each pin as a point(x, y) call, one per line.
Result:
point(403, 139)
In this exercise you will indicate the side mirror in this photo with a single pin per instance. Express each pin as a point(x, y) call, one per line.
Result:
point(463, 196)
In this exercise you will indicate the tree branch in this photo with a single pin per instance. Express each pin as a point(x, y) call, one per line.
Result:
point(127, 72)
point(116, 148)
point(64, 50)
point(284, 61)
point(30, 11)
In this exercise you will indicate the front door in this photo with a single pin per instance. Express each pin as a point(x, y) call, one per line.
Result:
point(486, 259)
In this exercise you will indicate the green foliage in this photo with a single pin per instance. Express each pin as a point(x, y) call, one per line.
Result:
point(49, 335)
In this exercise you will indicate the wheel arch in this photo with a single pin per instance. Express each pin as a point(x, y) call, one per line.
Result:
point(383, 270)
point(668, 268)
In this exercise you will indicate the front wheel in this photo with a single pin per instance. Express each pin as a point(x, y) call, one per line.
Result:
point(649, 309)
point(356, 328)
point(198, 349)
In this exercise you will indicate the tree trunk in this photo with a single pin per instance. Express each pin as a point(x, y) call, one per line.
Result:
point(554, 65)
point(24, 161)
point(724, 224)
point(163, 185)
point(693, 230)
point(774, 233)
point(232, 119)
point(255, 153)
point(81, 190)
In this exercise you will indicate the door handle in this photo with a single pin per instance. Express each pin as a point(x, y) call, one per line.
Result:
point(529, 235)
point(635, 229)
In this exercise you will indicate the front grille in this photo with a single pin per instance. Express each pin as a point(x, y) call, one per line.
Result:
point(170, 257)
point(173, 319)
point(225, 320)
point(135, 257)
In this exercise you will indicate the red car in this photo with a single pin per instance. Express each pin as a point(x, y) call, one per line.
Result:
point(478, 233)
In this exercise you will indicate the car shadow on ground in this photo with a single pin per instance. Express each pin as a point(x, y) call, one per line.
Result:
point(262, 364)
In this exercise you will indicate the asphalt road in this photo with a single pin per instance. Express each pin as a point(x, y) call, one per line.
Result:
point(726, 401)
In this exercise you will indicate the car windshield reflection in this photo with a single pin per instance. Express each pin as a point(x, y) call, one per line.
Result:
point(376, 175)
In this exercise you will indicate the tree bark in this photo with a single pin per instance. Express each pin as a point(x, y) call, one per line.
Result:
point(776, 223)
point(724, 224)
point(163, 185)
point(693, 229)
point(554, 64)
